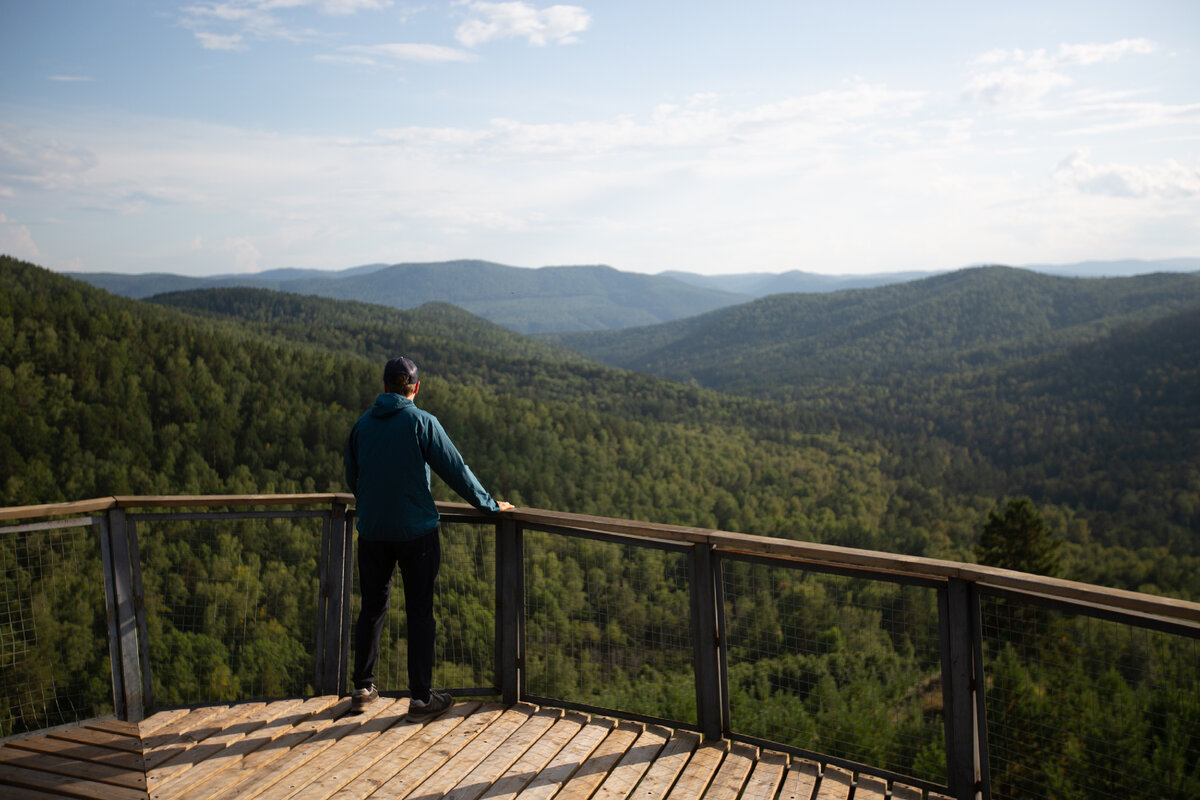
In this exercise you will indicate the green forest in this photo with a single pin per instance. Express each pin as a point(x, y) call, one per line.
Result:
point(1090, 421)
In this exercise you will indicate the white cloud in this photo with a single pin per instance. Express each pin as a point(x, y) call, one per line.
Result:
point(1021, 77)
point(16, 240)
point(70, 78)
point(1097, 53)
point(33, 159)
point(556, 24)
point(237, 21)
point(1170, 180)
point(216, 41)
point(425, 53)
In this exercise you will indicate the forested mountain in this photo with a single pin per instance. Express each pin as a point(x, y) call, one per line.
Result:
point(785, 345)
point(524, 300)
point(761, 284)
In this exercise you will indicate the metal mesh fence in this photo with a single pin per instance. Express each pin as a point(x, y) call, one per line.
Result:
point(607, 625)
point(54, 661)
point(464, 608)
point(846, 667)
point(1080, 707)
point(231, 606)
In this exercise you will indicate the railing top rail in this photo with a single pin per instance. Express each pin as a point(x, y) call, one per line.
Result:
point(170, 501)
point(874, 561)
point(866, 560)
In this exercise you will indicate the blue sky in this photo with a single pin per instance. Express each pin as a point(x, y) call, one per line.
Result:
point(219, 136)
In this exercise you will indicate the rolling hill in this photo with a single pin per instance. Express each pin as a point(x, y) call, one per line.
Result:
point(791, 345)
point(523, 300)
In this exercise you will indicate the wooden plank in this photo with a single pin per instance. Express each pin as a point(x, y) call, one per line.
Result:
point(113, 741)
point(122, 759)
point(160, 719)
point(595, 769)
point(835, 784)
point(868, 787)
point(462, 763)
point(699, 771)
point(221, 752)
point(271, 736)
point(188, 726)
point(666, 769)
point(535, 759)
point(565, 763)
point(118, 726)
point(231, 500)
point(354, 752)
point(275, 776)
point(435, 753)
point(11, 792)
point(503, 757)
point(46, 510)
point(735, 769)
point(185, 759)
point(622, 780)
point(902, 792)
point(65, 785)
point(73, 768)
point(161, 758)
point(801, 781)
point(766, 778)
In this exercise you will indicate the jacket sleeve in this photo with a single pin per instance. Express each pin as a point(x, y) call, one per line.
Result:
point(444, 458)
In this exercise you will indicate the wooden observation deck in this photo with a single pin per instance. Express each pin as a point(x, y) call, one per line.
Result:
point(317, 748)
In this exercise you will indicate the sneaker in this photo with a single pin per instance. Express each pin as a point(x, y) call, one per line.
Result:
point(364, 696)
point(438, 702)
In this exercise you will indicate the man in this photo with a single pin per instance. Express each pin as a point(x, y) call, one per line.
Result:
point(388, 456)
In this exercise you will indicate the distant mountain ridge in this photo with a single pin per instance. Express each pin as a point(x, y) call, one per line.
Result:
point(558, 299)
point(970, 319)
point(548, 299)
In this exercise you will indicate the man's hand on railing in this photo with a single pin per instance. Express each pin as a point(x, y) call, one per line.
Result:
point(505, 506)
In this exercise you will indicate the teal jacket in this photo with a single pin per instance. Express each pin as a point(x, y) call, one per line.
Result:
point(388, 456)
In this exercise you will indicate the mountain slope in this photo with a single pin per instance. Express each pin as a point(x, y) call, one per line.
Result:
point(524, 300)
point(784, 345)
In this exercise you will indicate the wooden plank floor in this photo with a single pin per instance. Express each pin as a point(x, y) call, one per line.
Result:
point(316, 749)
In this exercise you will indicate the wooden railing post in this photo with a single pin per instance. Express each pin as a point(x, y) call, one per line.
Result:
point(336, 581)
point(121, 612)
point(707, 641)
point(961, 647)
point(510, 610)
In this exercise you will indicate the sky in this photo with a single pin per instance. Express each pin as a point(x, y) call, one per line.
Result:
point(234, 136)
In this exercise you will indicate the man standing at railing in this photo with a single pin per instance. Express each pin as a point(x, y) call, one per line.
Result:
point(388, 456)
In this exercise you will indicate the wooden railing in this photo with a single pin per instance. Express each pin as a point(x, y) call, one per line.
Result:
point(959, 588)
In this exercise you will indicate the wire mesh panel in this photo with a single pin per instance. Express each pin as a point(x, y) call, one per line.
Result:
point(1079, 707)
point(231, 607)
point(54, 660)
point(845, 667)
point(607, 625)
point(464, 607)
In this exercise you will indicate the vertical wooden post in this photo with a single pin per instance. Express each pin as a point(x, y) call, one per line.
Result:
point(510, 610)
point(122, 617)
point(706, 641)
point(956, 604)
point(333, 606)
point(139, 611)
point(344, 521)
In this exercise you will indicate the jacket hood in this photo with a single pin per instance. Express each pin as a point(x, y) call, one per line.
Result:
point(387, 404)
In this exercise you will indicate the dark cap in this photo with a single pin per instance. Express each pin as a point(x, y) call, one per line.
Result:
point(400, 371)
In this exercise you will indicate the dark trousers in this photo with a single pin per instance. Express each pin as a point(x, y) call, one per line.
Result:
point(419, 560)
